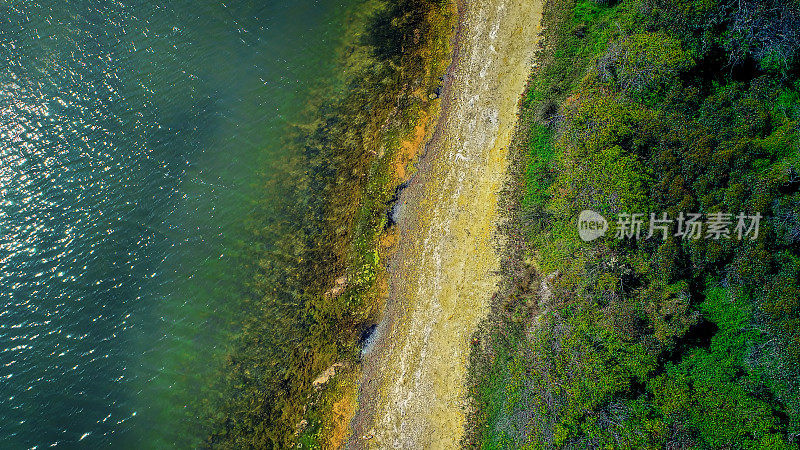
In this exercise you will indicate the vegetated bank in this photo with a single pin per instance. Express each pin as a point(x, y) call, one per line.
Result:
point(644, 106)
point(315, 291)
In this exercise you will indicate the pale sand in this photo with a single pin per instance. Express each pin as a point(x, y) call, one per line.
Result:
point(446, 267)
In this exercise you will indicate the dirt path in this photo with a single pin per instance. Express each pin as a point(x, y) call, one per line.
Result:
point(445, 269)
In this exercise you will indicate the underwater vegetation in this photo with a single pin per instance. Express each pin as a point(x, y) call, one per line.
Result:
point(314, 291)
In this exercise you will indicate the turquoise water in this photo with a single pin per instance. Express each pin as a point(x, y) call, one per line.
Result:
point(134, 143)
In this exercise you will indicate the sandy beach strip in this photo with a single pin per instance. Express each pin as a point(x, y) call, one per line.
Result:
point(446, 267)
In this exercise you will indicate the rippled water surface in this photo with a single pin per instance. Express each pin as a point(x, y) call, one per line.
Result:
point(133, 137)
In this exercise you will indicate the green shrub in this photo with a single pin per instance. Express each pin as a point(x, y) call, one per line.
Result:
point(651, 106)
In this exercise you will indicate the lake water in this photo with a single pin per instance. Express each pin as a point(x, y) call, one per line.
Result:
point(135, 139)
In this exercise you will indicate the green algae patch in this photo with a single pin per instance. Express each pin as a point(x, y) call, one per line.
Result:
point(316, 285)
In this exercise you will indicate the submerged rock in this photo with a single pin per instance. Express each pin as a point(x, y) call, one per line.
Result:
point(338, 288)
point(326, 376)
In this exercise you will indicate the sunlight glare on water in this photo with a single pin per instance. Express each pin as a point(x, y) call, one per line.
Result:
point(133, 138)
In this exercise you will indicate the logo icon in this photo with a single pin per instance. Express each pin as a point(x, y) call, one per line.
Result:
point(591, 225)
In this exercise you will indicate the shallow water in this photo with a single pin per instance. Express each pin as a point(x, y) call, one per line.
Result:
point(134, 141)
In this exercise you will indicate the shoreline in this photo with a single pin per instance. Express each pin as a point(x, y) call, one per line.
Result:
point(289, 379)
point(446, 265)
point(362, 423)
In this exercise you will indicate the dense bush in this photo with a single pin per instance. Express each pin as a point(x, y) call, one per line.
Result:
point(644, 106)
